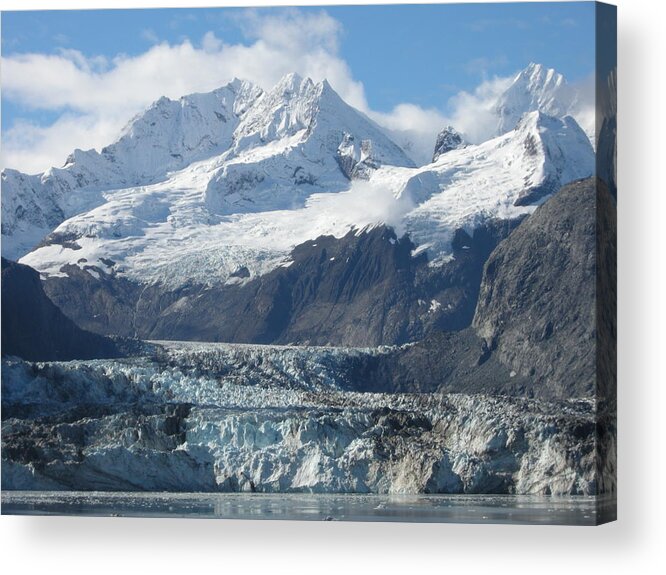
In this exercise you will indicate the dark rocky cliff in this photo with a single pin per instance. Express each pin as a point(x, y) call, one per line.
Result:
point(363, 289)
point(35, 329)
point(545, 323)
point(537, 306)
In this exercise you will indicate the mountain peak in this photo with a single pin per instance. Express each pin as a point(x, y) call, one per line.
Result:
point(559, 150)
point(292, 82)
point(532, 119)
point(161, 101)
point(536, 87)
point(532, 69)
point(538, 77)
point(324, 89)
point(448, 139)
point(235, 82)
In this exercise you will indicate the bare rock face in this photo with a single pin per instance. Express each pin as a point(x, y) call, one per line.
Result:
point(606, 157)
point(537, 308)
point(544, 325)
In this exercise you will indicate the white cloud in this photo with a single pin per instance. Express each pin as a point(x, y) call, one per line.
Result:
point(148, 34)
point(584, 109)
point(412, 127)
point(306, 44)
point(103, 94)
point(372, 202)
point(473, 112)
point(280, 31)
point(481, 66)
point(33, 148)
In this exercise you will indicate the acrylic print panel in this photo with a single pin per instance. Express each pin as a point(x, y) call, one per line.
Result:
point(348, 263)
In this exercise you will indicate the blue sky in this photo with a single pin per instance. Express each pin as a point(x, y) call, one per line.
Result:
point(381, 57)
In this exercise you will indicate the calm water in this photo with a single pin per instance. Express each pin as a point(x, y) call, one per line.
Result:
point(422, 508)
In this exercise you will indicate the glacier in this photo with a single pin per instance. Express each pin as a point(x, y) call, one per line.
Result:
point(225, 418)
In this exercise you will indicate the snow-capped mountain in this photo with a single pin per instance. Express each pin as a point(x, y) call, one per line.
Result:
point(171, 134)
point(408, 330)
point(534, 88)
point(167, 136)
point(298, 138)
point(538, 88)
point(503, 178)
point(185, 229)
point(197, 189)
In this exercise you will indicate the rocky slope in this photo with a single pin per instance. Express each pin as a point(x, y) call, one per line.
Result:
point(366, 288)
point(606, 157)
point(538, 298)
point(35, 329)
point(544, 324)
point(448, 139)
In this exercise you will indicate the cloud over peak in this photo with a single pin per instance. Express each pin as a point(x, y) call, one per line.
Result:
point(103, 94)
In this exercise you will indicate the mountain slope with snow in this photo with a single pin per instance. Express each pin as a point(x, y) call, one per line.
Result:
point(535, 88)
point(168, 136)
point(280, 145)
point(220, 187)
point(173, 233)
point(300, 139)
point(503, 179)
